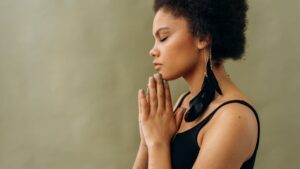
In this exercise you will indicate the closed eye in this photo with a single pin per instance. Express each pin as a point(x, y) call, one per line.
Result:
point(163, 39)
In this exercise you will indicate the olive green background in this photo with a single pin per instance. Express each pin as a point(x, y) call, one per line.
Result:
point(70, 71)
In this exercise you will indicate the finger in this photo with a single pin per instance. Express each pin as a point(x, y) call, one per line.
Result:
point(178, 116)
point(144, 105)
point(147, 94)
point(140, 107)
point(139, 102)
point(160, 93)
point(168, 98)
point(152, 92)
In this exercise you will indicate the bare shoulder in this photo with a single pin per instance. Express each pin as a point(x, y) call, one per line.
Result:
point(230, 139)
point(236, 114)
point(239, 122)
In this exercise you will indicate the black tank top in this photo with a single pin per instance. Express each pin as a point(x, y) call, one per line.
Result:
point(185, 148)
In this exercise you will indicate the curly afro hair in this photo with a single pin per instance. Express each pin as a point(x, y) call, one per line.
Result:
point(223, 20)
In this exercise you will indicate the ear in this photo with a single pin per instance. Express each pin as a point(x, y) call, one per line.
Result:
point(203, 42)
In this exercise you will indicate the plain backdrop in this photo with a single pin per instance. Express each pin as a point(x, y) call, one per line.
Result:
point(70, 71)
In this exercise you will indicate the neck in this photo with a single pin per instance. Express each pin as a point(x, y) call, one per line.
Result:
point(195, 79)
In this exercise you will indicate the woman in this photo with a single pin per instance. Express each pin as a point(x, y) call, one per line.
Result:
point(213, 125)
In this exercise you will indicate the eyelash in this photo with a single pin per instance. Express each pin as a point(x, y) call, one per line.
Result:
point(163, 39)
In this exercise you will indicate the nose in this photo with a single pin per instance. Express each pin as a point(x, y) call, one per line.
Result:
point(154, 52)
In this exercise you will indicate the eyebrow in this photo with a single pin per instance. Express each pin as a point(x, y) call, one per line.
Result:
point(156, 33)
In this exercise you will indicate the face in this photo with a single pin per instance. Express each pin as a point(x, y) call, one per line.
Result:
point(175, 47)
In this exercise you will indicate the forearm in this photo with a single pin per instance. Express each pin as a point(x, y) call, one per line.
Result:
point(141, 161)
point(159, 157)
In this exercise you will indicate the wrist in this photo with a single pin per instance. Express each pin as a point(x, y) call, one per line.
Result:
point(159, 145)
point(158, 150)
point(143, 147)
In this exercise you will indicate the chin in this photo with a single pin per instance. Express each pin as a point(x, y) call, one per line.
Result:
point(168, 76)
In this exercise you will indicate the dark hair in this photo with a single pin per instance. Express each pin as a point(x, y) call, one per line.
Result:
point(224, 20)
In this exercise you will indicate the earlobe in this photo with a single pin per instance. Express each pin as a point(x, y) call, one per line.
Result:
point(203, 42)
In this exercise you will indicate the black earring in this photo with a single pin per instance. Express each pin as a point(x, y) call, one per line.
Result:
point(200, 102)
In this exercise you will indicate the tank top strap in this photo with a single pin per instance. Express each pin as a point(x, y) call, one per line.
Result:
point(203, 122)
point(181, 100)
point(228, 102)
point(198, 127)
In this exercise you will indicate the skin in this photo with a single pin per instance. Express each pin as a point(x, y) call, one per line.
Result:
point(229, 138)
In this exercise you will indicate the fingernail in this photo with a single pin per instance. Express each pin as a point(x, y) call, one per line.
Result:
point(159, 76)
point(143, 92)
point(165, 82)
point(149, 80)
point(140, 91)
point(147, 92)
point(156, 76)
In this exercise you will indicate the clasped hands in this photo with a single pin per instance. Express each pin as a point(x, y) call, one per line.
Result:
point(157, 121)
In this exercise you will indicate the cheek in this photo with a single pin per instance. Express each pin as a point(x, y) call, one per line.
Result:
point(179, 56)
point(178, 62)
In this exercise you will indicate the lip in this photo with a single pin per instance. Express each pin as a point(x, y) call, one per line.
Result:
point(157, 66)
point(154, 62)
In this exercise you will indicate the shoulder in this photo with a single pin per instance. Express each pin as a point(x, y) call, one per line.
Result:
point(231, 137)
point(238, 122)
point(235, 113)
point(237, 118)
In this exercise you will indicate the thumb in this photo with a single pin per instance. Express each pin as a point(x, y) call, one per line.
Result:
point(178, 116)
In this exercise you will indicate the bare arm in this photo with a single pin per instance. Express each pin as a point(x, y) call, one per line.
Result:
point(230, 140)
point(159, 157)
point(141, 161)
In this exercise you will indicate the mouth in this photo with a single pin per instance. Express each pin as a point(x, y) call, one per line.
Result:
point(157, 66)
